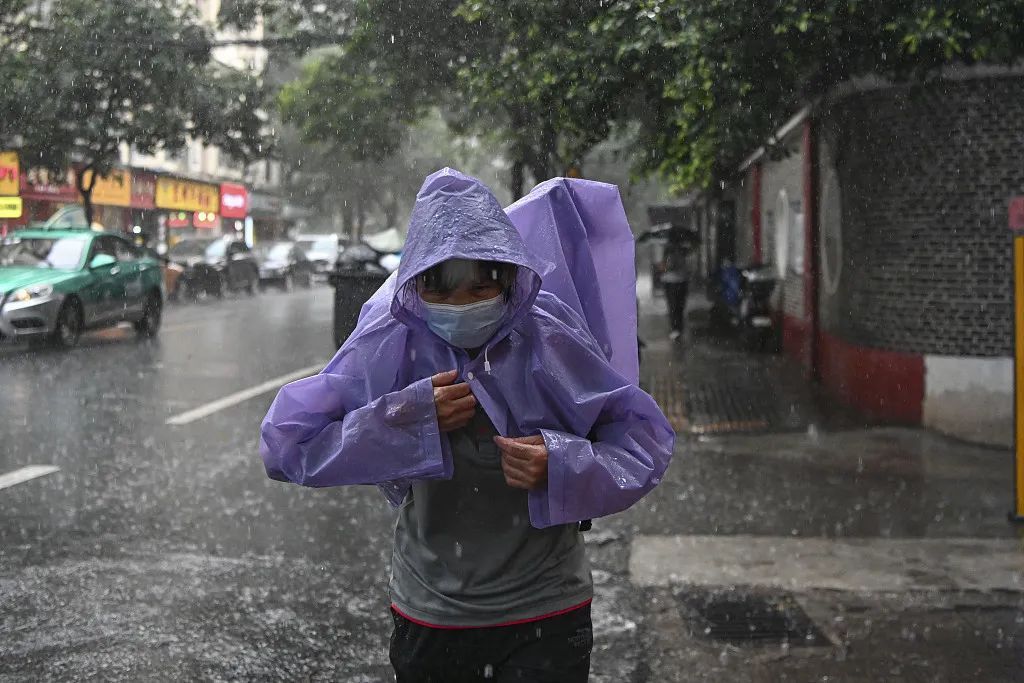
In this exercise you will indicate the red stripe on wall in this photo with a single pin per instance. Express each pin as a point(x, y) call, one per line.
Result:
point(794, 338)
point(810, 178)
point(884, 385)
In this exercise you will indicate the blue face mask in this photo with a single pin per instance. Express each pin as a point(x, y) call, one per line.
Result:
point(467, 326)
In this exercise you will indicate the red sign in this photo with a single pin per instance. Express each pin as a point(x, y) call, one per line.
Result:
point(1017, 214)
point(205, 219)
point(41, 183)
point(179, 219)
point(143, 190)
point(234, 201)
point(9, 173)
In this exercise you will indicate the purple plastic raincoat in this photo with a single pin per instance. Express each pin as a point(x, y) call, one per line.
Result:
point(369, 416)
point(581, 226)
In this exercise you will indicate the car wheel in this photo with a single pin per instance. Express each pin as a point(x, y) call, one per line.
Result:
point(218, 289)
point(187, 291)
point(151, 317)
point(288, 284)
point(68, 329)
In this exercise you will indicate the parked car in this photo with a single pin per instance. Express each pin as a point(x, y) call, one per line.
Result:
point(57, 283)
point(322, 251)
point(284, 264)
point(213, 265)
point(171, 270)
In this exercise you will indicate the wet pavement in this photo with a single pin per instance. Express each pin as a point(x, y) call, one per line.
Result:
point(162, 551)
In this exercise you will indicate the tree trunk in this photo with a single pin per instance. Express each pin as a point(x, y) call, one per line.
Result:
point(85, 190)
point(390, 208)
point(518, 179)
point(361, 214)
point(347, 221)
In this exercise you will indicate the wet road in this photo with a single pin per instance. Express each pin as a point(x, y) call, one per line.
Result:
point(161, 551)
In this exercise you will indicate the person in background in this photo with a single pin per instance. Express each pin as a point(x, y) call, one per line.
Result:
point(676, 281)
point(490, 416)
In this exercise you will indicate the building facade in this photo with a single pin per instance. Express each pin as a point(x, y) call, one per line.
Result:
point(884, 210)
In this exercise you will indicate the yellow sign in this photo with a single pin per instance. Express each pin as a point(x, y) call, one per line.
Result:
point(10, 207)
point(9, 174)
point(114, 189)
point(186, 195)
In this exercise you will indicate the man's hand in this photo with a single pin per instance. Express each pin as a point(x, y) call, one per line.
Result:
point(455, 403)
point(524, 460)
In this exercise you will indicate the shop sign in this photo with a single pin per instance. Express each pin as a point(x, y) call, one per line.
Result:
point(205, 219)
point(265, 204)
point(186, 195)
point(143, 190)
point(9, 174)
point(234, 200)
point(179, 219)
point(10, 207)
point(1016, 217)
point(43, 183)
point(113, 189)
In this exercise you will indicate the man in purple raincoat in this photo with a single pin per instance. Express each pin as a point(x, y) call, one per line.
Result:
point(490, 416)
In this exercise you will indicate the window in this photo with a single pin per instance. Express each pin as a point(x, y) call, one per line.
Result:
point(125, 251)
point(796, 237)
point(781, 236)
point(104, 245)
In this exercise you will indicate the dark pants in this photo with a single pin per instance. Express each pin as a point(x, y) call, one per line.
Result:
point(556, 649)
point(675, 297)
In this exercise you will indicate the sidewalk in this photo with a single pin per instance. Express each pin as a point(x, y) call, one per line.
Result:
point(791, 541)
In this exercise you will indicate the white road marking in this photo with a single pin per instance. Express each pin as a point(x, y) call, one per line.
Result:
point(26, 474)
point(848, 564)
point(240, 396)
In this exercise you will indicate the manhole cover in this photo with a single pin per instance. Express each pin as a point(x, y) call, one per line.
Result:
point(753, 619)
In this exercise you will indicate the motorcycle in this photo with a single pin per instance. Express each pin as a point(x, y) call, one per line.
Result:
point(741, 302)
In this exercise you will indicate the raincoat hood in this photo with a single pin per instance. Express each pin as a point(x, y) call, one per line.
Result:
point(457, 217)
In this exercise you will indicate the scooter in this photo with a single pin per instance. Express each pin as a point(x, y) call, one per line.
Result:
point(741, 302)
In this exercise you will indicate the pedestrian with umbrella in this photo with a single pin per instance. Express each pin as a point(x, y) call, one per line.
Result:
point(675, 271)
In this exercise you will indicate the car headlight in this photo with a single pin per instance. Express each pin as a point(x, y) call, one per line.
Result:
point(34, 292)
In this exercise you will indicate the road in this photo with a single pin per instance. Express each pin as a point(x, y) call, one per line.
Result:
point(161, 551)
point(147, 543)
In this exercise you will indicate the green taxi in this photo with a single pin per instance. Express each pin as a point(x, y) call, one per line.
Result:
point(56, 283)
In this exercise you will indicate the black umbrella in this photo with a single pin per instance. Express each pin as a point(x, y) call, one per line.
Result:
point(669, 232)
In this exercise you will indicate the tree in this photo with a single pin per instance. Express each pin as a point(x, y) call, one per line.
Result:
point(545, 85)
point(135, 73)
point(714, 78)
point(492, 67)
point(368, 193)
point(18, 102)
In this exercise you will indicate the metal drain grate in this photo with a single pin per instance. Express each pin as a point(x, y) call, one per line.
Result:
point(751, 619)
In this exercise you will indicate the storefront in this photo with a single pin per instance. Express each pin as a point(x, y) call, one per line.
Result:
point(186, 207)
point(111, 199)
point(234, 209)
point(268, 222)
point(11, 208)
point(145, 225)
point(44, 192)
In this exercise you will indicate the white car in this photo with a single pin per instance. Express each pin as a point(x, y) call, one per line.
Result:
point(322, 250)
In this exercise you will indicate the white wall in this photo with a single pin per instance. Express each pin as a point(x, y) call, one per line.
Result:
point(784, 175)
point(970, 398)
